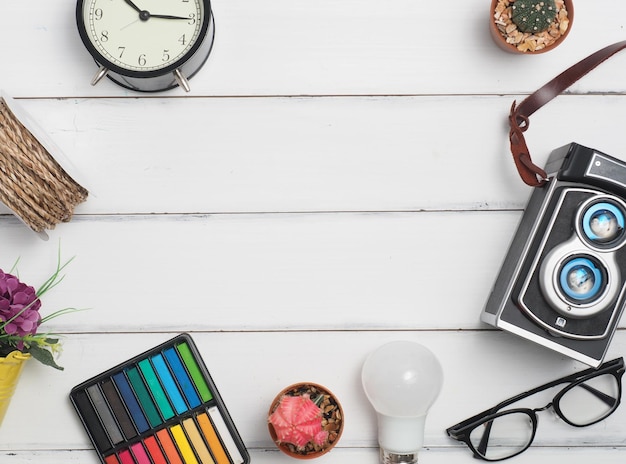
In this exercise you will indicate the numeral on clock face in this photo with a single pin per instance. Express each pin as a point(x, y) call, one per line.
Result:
point(143, 35)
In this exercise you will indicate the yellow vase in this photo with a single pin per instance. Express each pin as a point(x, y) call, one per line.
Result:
point(10, 370)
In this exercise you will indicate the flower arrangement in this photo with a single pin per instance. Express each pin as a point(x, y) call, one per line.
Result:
point(20, 320)
point(305, 420)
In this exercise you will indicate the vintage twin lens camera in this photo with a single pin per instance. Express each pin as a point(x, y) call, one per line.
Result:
point(562, 282)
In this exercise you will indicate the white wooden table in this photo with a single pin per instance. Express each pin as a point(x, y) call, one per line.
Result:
point(338, 177)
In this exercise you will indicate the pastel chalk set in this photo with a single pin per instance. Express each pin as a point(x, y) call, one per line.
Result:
point(160, 407)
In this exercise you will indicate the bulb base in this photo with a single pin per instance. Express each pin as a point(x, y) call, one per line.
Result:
point(387, 457)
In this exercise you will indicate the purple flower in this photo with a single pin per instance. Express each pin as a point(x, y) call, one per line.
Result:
point(20, 305)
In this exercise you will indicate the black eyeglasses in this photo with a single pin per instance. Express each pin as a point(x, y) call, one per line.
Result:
point(498, 433)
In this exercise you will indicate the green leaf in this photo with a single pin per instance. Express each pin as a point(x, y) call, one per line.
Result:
point(43, 356)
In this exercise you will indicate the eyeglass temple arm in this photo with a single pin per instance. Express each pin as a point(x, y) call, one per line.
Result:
point(484, 440)
point(606, 399)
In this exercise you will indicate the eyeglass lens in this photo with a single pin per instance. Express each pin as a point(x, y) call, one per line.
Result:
point(590, 401)
point(510, 433)
point(503, 437)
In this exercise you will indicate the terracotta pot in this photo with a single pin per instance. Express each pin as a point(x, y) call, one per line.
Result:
point(332, 420)
point(500, 40)
point(10, 370)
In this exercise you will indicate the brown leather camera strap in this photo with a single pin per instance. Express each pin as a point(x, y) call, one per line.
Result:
point(519, 116)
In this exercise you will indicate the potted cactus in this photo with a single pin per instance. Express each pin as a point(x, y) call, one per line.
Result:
point(305, 420)
point(530, 26)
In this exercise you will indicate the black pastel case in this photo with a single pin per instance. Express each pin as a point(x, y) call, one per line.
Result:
point(160, 407)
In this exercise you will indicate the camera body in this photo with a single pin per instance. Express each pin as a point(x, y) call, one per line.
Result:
point(562, 283)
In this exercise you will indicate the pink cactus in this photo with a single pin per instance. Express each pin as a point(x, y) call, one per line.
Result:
point(298, 420)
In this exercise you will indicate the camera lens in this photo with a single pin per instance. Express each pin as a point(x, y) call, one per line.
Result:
point(603, 223)
point(581, 279)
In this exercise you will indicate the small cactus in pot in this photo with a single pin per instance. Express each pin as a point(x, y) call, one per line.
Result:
point(305, 420)
point(530, 26)
point(533, 15)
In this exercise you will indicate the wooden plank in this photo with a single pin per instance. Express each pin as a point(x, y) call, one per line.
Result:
point(311, 154)
point(480, 369)
point(268, 272)
point(281, 47)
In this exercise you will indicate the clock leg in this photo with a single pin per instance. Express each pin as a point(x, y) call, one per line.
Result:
point(182, 80)
point(99, 75)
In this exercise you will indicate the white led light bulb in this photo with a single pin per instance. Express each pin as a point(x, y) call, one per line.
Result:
point(402, 380)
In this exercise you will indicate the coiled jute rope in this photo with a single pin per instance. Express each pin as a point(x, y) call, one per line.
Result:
point(32, 184)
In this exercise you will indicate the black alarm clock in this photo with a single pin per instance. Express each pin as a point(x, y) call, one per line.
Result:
point(147, 45)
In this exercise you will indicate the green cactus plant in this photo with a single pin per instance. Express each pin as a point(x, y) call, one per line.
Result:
point(533, 15)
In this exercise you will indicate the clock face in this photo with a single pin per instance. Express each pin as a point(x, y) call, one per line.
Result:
point(143, 37)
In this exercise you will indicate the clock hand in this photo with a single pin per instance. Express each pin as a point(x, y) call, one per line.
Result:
point(135, 7)
point(129, 24)
point(168, 16)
